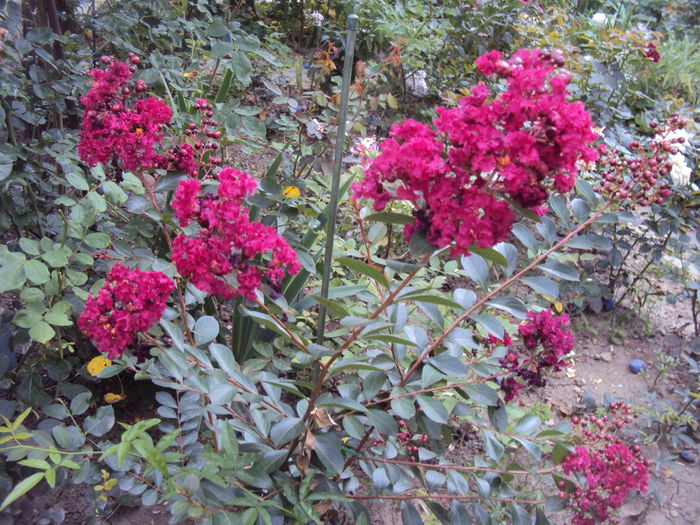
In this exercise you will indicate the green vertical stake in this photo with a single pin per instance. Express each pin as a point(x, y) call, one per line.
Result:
point(337, 165)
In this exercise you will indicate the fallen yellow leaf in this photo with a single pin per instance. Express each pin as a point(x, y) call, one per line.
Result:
point(291, 192)
point(110, 398)
point(97, 364)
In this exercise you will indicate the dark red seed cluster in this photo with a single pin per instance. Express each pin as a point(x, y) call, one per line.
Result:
point(205, 134)
point(639, 180)
point(411, 442)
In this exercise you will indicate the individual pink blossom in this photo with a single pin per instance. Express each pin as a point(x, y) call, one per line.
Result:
point(128, 304)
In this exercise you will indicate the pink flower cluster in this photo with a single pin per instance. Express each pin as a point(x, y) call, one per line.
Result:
point(610, 468)
point(546, 342)
point(116, 128)
point(519, 144)
point(128, 304)
point(229, 243)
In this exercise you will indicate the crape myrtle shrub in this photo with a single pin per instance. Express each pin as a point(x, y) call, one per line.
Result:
point(294, 429)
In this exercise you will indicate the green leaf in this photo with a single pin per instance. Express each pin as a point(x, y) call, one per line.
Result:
point(590, 241)
point(353, 427)
point(217, 29)
point(519, 516)
point(328, 451)
point(494, 448)
point(80, 403)
point(58, 319)
point(557, 204)
point(409, 514)
point(527, 424)
point(56, 258)
point(36, 271)
point(422, 297)
point(534, 450)
point(364, 269)
point(97, 202)
point(433, 409)
point(498, 416)
point(224, 357)
point(224, 87)
point(389, 218)
point(586, 190)
point(489, 254)
point(285, 430)
point(402, 267)
point(131, 182)
point(382, 421)
point(542, 285)
point(403, 406)
point(482, 394)
point(114, 193)
point(560, 271)
point(101, 423)
point(418, 245)
point(22, 488)
point(465, 298)
point(38, 464)
point(581, 210)
point(11, 277)
point(206, 328)
point(32, 295)
point(526, 237)
point(97, 240)
point(241, 66)
point(477, 269)
point(29, 246)
point(512, 305)
point(41, 332)
point(449, 365)
point(335, 307)
point(490, 324)
point(78, 181)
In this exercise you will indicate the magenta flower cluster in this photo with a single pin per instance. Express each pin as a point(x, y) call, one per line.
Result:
point(114, 127)
point(517, 145)
point(226, 256)
point(607, 469)
point(128, 304)
point(546, 342)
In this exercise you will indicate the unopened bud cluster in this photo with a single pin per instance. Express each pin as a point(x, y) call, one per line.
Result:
point(641, 180)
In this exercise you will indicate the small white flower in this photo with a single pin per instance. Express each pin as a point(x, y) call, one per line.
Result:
point(599, 20)
point(680, 172)
point(415, 82)
point(318, 18)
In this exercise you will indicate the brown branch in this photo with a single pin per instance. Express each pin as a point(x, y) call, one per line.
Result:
point(516, 277)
